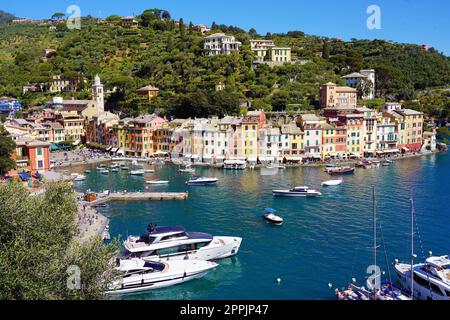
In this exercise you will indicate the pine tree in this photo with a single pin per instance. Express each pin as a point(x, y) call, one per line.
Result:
point(326, 50)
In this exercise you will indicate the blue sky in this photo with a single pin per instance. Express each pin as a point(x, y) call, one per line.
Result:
point(409, 21)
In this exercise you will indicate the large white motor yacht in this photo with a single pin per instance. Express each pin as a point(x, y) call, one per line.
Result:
point(431, 279)
point(140, 275)
point(174, 243)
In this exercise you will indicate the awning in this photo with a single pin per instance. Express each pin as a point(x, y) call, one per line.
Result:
point(120, 151)
point(392, 151)
point(380, 152)
point(109, 148)
point(77, 142)
point(159, 152)
point(237, 162)
point(54, 147)
point(405, 149)
point(295, 158)
point(114, 150)
point(25, 176)
point(195, 156)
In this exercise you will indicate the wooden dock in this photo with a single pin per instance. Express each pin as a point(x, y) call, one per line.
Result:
point(140, 196)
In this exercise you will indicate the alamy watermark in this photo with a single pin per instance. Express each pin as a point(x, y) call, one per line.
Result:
point(74, 278)
point(74, 17)
point(374, 19)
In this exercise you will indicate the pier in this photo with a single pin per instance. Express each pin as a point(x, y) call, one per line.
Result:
point(140, 196)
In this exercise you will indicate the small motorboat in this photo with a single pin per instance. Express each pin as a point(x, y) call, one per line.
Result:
point(104, 171)
point(157, 182)
point(186, 170)
point(136, 172)
point(198, 180)
point(115, 170)
point(124, 168)
point(87, 171)
point(331, 183)
point(78, 177)
point(270, 216)
point(149, 171)
point(140, 275)
point(341, 170)
point(297, 192)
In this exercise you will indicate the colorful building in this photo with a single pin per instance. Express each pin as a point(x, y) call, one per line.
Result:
point(32, 155)
point(332, 96)
point(294, 141)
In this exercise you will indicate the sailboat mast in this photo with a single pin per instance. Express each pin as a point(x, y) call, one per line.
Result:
point(374, 235)
point(412, 247)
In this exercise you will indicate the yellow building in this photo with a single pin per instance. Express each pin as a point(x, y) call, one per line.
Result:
point(73, 125)
point(355, 134)
point(249, 135)
point(295, 142)
point(162, 139)
point(280, 54)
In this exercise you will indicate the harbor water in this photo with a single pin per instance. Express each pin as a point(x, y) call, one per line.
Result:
point(323, 240)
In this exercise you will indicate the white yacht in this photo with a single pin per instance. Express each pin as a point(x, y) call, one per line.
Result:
point(78, 177)
point(331, 183)
point(174, 243)
point(139, 275)
point(197, 180)
point(297, 192)
point(157, 182)
point(431, 280)
point(137, 172)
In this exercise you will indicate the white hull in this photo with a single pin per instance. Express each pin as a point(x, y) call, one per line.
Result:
point(157, 182)
point(177, 272)
point(287, 193)
point(420, 292)
point(332, 183)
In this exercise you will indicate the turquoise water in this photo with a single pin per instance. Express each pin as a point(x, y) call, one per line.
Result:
point(323, 240)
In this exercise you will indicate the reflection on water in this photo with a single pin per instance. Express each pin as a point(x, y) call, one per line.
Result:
point(323, 240)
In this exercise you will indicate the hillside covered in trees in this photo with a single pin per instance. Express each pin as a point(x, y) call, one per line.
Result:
point(170, 56)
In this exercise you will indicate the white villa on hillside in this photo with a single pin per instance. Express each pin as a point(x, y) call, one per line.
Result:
point(221, 44)
point(352, 80)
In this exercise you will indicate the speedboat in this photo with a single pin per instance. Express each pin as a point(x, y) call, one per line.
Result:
point(297, 192)
point(157, 182)
point(175, 243)
point(331, 183)
point(431, 279)
point(386, 292)
point(341, 170)
point(136, 172)
point(78, 177)
point(138, 275)
point(198, 180)
point(270, 216)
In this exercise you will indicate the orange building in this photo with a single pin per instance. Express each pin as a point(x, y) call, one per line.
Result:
point(148, 93)
point(332, 96)
point(32, 155)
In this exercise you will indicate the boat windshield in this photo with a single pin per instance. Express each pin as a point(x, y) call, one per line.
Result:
point(300, 189)
point(154, 265)
point(146, 239)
